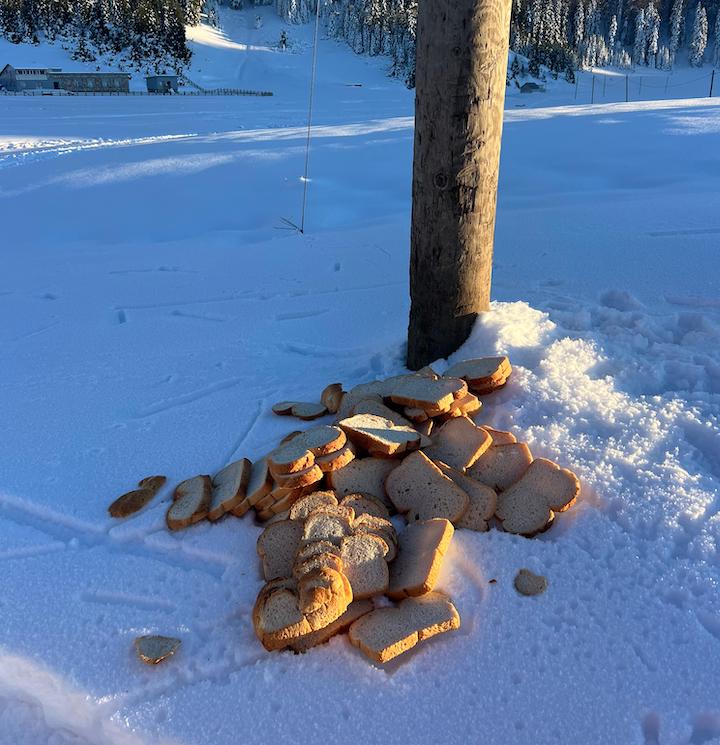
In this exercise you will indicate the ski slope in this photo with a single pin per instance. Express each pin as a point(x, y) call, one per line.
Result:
point(153, 306)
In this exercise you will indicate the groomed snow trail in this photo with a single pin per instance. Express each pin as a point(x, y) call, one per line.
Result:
point(152, 309)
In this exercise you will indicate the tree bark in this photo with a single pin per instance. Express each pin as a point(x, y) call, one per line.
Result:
point(462, 52)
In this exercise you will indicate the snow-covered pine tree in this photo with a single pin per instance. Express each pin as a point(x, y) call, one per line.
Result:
point(640, 45)
point(652, 22)
point(676, 28)
point(716, 62)
point(698, 41)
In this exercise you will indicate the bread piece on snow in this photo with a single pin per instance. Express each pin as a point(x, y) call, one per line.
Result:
point(228, 488)
point(365, 504)
point(420, 489)
point(499, 436)
point(386, 633)
point(380, 527)
point(287, 502)
point(501, 466)
point(291, 457)
point(375, 389)
point(325, 560)
point(415, 415)
point(312, 502)
point(365, 565)
point(420, 392)
point(316, 547)
point(322, 589)
point(423, 546)
point(308, 411)
point(297, 480)
point(322, 440)
point(154, 649)
point(528, 583)
point(468, 405)
point(481, 372)
point(276, 616)
point(379, 434)
point(277, 546)
point(356, 609)
point(528, 506)
point(321, 526)
point(337, 460)
point(283, 408)
point(483, 500)
point(128, 504)
point(332, 397)
point(365, 476)
point(260, 484)
point(241, 508)
point(458, 443)
point(378, 408)
point(191, 502)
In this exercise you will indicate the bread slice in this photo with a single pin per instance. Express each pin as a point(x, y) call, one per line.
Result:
point(337, 460)
point(375, 389)
point(308, 411)
point(458, 443)
point(322, 526)
point(420, 489)
point(529, 583)
point(365, 476)
point(309, 550)
point(365, 504)
point(356, 609)
point(386, 633)
point(378, 408)
point(299, 479)
point(499, 436)
point(426, 393)
point(260, 483)
point(276, 518)
point(228, 488)
point(423, 546)
point(322, 440)
point(379, 434)
point(501, 466)
point(381, 528)
point(321, 589)
point(277, 546)
point(312, 502)
point(242, 508)
point(468, 405)
point(482, 372)
point(276, 616)
point(191, 502)
point(154, 649)
point(483, 500)
point(287, 502)
point(128, 504)
point(364, 564)
point(332, 397)
point(528, 506)
point(425, 428)
point(325, 560)
point(415, 415)
point(283, 408)
point(291, 457)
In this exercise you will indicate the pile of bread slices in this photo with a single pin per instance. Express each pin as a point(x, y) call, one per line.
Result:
point(407, 448)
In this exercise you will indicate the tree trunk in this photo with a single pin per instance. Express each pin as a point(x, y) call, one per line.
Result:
point(462, 52)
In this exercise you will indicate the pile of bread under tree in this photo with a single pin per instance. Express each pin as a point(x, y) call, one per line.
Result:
point(331, 557)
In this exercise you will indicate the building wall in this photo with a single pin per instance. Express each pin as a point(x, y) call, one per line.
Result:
point(91, 82)
point(159, 83)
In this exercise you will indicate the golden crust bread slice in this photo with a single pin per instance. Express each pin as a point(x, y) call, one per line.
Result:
point(323, 526)
point(312, 502)
point(260, 484)
point(291, 457)
point(380, 527)
point(332, 397)
point(190, 503)
point(481, 372)
point(418, 391)
point(277, 618)
point(356, 609)
point(299, 479)
point(364, 564)
point(228, 488)
point(308, 411)
point(128, 504)
point(378, 408)
point(499, 436)
point(422, 548)
point(483, 500)
point(277, 547)
point(363, 475)
point(528, 506)
point(365, 504)
point(420, 489)
point(386, 633)
point(379, 434)
point(337, 460)
point(501, 466)
point(458, 443)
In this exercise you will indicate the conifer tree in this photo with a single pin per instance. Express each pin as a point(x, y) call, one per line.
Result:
point(699, 36)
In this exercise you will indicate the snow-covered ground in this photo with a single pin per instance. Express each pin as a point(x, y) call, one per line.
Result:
point(152, 308)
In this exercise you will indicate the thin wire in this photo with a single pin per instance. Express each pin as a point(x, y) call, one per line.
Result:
point(310, 113)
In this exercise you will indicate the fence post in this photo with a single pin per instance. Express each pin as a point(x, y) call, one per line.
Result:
point(577, 83)
point(627, 88)
point(712, 81)
point(640, 88)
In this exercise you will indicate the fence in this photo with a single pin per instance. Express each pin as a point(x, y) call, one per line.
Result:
point(607, 88)
point(209, 92)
